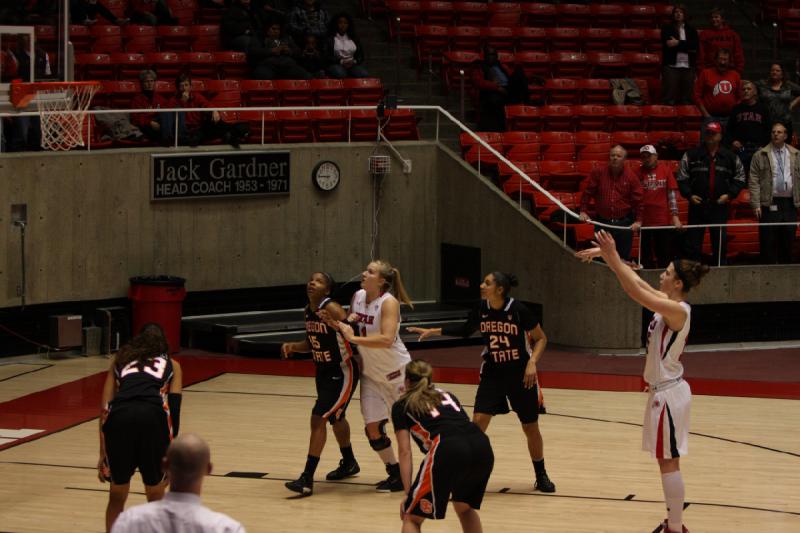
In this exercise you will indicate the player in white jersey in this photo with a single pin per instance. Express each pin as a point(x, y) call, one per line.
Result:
point(375, 315)
point(665, 431)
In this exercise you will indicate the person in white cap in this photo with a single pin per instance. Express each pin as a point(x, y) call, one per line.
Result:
point(660, 208)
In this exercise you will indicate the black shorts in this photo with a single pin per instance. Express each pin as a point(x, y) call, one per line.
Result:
point(496, 390)
point(457, 464)
point(136, 435)
point(336, 385)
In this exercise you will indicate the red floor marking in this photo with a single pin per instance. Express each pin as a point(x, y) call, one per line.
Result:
point(76, 402)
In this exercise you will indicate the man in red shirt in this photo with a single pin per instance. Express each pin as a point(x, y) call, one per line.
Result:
point(149, 123)
point(720, 36)
point(659, 208)
point(617, 196)
point(718, 89)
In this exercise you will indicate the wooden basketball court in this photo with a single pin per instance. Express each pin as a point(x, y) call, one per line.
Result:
point(742, 471)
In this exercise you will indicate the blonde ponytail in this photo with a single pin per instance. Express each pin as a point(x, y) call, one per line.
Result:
point(393, 282)
point(421, 397)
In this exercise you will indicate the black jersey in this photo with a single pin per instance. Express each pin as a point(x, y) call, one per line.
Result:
point(448, 418)
point(328, 347)
point(150, 383)
point(504, 330)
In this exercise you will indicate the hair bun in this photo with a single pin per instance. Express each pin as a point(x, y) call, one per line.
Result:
point(512, 280)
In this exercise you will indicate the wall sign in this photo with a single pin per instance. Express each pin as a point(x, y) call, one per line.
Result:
point(219, 175)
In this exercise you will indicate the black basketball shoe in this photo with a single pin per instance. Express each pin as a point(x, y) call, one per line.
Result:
point(543, 483)
point(303, 485)
point(343, 471)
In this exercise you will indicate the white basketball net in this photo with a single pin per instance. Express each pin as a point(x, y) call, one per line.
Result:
point(63, 112)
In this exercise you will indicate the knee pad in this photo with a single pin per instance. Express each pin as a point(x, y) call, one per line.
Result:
point(383, 441)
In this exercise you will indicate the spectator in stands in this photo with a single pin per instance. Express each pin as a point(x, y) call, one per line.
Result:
point(710, 177)
point(86, 11)
point(240, 28)
point(774, 184)
point(150, 123)
point(151, 12)
point(659, 208)
point(617, 195)
point(679, 58)
point(780, 96)
point(718, 89)
point(344, 50)
point(498, 86)
point(748, 128)
point(312, 59)
point(187, 462)
point(308, 18)
point(720, 36)
point(276, 57)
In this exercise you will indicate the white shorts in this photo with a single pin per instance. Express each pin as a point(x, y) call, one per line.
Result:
point(377, 398)
point(665, 433)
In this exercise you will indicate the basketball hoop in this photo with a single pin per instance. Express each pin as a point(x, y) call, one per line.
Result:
point(379, 165)
point(62, 109)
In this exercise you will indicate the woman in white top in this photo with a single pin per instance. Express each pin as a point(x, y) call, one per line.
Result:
point(382, 356)
point(345, 54)
point(665, 431)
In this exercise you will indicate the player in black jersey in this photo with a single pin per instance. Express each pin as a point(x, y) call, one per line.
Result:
point(458, 456)
point(513, 343)
point(336, 378)
point(140, 415)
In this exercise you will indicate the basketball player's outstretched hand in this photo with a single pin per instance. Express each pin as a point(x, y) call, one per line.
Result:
point(424, 333)
point(606, 243)
point(588, 254)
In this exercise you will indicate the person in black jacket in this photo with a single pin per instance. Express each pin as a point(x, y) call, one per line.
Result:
point(710, 177)
point(86, 11)
point(748, 127)
point(680, 43)
point(240, 26)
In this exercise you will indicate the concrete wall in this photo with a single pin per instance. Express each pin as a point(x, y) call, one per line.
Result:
point(92, 226)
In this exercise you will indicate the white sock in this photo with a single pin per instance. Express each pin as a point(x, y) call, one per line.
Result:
point(387, 456)
point(674, 494)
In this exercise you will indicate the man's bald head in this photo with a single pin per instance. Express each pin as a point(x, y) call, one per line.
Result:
point(188, 460)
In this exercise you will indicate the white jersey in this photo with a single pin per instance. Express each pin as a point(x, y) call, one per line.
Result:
point(379, 364)
point(664, 349)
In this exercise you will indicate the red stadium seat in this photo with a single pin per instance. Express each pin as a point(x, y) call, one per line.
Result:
point(630, 140)
point(539, 14)
point(139, 39)
point(560, 176)
point(46, 37)
point(408, 11)
point(530, 39)
point(81, 38)
point(452, 65)
point(569, 64)
point(128, 65)
point(185, 11)
point(668, 143)
point(224, 93)
point(467, 141)
point(563, 38)
point(165, 88)
point(630, 40)
point(429, 43)
point(401, 125)
point(471, 13)
point(561, 91)
point(328, 92)
point(524, 152)
point(643, 65)
point(94, 66)
point(575, 15)
point(232, 64)
point(294, 92)
point(499, 38)
point(626, 117)
point(107, 39)
point(363, 91)
point(660, 117)
point(482, 159)
point(506, 20)
point(592, 145)
point(691, 138)
point(166, 64)
point(523, 118)
point(689, 117)
point(556, 118)
point(117, 7)
point(259, 93)
point(597, 39)
point(201, 64)
point(467, 38)
point(534, 63)
point(607, 65)
point(558, 146)
point(663, 14)
point(641, 16)
point(510, 178)
point(437, 12)
point(175, 38)
point(511, 138)
point(592, 117)
point(607, 15)
point(329, 125)
point(295, 126)
point(116, 94)
point(594, 91)
point(264, 127)
point(652, 40)
point(205, 37)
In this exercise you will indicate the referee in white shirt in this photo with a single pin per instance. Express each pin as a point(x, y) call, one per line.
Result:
point(774, 185)
point(187, 462)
